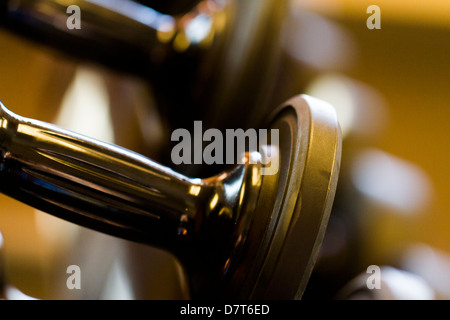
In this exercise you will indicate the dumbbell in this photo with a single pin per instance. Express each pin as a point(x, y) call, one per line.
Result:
point(240, 233)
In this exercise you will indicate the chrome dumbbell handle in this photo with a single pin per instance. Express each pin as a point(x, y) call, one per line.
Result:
point(123, 35)
point(109, 188)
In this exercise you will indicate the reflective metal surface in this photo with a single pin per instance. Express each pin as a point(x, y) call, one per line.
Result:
point(221, 57)
point(104, 186)
point(294, 205)
point(239, 234)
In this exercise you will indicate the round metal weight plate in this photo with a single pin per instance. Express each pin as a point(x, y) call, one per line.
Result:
point(294, 204)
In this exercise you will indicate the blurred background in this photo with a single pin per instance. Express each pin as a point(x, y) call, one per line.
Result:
point(390, 87)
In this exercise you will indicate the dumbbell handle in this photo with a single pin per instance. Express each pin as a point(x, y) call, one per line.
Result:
point(123, 35)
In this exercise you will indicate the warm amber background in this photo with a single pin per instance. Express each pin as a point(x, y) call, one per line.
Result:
point(408, 62)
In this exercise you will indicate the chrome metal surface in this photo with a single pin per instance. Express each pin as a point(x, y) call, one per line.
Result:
point(293, 206)
point(313, 159)
point(221, 57)
point(122, 34)
point(239, 233)
point(107, 187)
point(116, 191)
